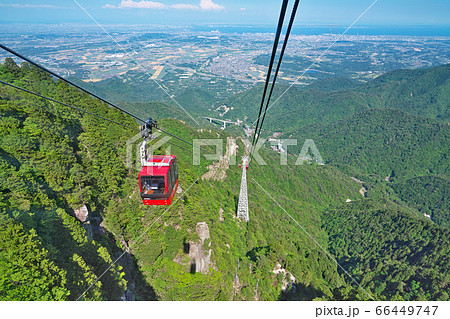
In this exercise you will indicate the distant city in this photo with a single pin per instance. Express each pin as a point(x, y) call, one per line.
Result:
point(219, 60)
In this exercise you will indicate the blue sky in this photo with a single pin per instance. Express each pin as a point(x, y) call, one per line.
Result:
point(340, 12)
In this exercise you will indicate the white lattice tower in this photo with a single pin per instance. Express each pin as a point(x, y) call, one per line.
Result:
point(242, 211)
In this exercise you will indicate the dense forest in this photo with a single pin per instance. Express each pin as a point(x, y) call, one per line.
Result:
point(55, 160)
point(430, 195)
point(423, 92)
point(397, 256)
point(385, 142)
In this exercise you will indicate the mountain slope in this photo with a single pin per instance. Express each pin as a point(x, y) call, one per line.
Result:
point(117, 89)
point(383, 142)
point(429, 195)
point(270, 237)
point(193, 100)
point(394, 254)
point(423, 92)
point(332, 84)
point(55, 160)
point(50, 159)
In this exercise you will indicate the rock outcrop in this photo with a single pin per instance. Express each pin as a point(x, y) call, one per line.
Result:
point(82, 214)
point(287, 280)
point(218, 170)
point(200, 255)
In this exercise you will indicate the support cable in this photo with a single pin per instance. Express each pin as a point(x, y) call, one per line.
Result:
point(286, 38)
point(272, 58)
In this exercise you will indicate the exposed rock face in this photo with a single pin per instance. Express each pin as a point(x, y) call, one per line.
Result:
point(200, 258)
point(363, 191)
point(82, 213)
point(98, 228)
point(92, 224)
point(202, 231)
point(217, 171)
point(288, 278)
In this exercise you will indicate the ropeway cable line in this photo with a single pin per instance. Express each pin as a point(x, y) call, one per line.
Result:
point(272, 58)
point(283, 49)
point(261, 117)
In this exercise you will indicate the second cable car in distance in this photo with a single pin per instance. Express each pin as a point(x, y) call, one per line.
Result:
point(158, 179)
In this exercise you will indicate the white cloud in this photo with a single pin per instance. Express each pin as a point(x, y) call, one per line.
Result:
point(136, 4)
point(209, 5)
point(243, 9)
point(142, 4)
point(203, 5)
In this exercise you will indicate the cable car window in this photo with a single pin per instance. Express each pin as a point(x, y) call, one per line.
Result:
point(153, 184)
point(169, 179)
point(174, 174)
point(175, 171)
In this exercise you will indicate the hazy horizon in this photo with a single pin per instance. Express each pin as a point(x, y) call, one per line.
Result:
point(249, 12)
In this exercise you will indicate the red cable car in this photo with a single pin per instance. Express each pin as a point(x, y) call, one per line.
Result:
point(158, 180)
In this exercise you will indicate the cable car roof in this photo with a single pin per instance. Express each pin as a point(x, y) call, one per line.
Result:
point(160, 160)
point(157, 165)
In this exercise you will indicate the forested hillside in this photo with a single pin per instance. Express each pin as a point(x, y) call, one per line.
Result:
point(400, 145)
point(389, 251)
point(424, 92)
point(54, 160)
point(119, 89)
point(297, 107)
point(429, 195)
point(391, 132)
point(386, 142)
point(137, 90)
